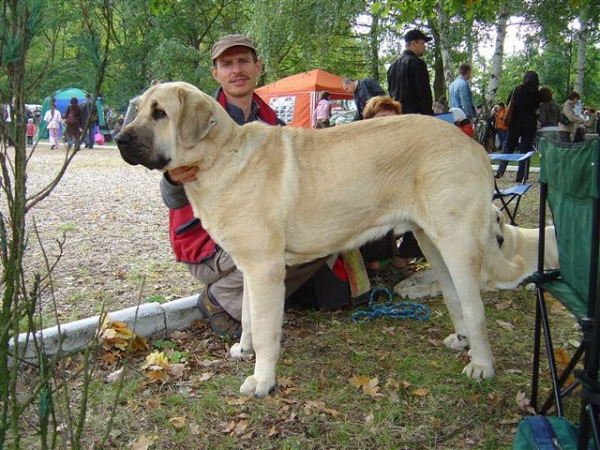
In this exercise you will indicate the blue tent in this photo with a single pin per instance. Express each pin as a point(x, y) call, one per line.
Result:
point(63, 98)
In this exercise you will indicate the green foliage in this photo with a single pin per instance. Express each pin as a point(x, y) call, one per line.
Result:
point(357, 38)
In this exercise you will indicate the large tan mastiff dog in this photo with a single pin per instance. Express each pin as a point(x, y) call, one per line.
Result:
point(277, 196)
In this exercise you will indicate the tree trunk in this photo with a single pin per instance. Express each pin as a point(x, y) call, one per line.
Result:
point(582, 37)
point(496, 72)
point(444, 45)
point(374, 47)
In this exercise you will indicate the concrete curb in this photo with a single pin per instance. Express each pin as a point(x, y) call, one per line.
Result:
point(147, 320)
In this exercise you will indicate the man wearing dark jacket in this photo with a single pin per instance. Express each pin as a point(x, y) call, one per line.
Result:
point(362, 90)
point(408, 79)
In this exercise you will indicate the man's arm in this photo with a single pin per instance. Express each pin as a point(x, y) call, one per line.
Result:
point(466, 100)
point(421, 82)
point(358, 114)
point(373, 89)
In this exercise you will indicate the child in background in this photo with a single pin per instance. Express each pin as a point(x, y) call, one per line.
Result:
point(30, 131)
point(461, 121)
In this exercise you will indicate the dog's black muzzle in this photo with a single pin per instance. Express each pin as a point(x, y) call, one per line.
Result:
point(134, 152)
point(122, 141)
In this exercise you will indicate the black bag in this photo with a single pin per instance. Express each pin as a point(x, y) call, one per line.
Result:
point(324, 291)
point(563, 119)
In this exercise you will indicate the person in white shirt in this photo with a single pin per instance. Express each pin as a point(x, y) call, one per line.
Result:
point(53, 118)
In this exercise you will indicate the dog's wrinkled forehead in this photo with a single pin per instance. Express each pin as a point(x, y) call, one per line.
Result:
point(156, 103)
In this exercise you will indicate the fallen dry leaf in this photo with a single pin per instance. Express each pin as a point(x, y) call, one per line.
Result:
point(240, 427)
point(176, 371)
point(114, 376)
point(319, 407)
point(180, 335)
point(359, 381)
point(194, 429)
point(142, 443)
point(156, 359)
point(501, 306)
point(506, 325)
point(229, 427)
point(372, 388)
point(178, 423)
point(562, 358)
point(421, 392)
point(239, 401)
point(205, 376)
point(406, 384)
point(524, 402)
point(285, 382)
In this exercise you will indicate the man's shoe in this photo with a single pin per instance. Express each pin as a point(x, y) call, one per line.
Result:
point(220, 321)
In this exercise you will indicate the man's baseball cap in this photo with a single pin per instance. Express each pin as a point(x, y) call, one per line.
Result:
point(231, 40)
point(415, 35)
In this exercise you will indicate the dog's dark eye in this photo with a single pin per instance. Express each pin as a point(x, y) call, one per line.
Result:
point(158, 114)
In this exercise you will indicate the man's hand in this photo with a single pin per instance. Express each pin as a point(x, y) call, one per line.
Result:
point(182, 174)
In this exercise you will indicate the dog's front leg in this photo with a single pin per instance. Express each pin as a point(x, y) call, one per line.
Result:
point(244, 349)
point(266, 292)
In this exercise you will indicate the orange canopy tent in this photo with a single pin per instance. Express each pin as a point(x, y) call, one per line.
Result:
point(294, 98)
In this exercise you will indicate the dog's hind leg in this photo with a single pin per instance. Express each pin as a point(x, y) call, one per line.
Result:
point(266, 292)
point(463, 259)
point(244, 349)
point(458, 340)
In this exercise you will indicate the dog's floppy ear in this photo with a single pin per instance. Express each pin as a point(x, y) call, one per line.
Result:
point(196, 117)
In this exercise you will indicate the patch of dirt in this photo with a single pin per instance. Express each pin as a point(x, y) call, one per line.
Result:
point(116, 248)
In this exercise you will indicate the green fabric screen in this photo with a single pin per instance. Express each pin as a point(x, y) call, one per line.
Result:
point(571, 173)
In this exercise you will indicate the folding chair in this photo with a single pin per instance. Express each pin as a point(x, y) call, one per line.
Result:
point(569, 187)
point(514, 193)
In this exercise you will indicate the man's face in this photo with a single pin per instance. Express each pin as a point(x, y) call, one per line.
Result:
point(350, 87)
point(417, 47)
point(236, 71)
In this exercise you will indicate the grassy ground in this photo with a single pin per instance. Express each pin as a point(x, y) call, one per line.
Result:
point(388, 384)
point(384, 384)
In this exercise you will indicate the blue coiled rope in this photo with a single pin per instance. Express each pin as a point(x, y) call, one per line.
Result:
point(395, 310)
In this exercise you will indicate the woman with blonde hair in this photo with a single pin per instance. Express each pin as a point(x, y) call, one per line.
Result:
point(381, 106)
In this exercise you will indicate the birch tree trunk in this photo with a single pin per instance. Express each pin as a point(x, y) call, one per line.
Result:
point(582, 37)
point(496, 71)
point(444, 44)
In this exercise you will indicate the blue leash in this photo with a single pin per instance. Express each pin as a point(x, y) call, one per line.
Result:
point(398, 310)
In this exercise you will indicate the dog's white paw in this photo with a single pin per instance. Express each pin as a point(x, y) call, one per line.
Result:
point(457, 342)
point(253, 386)
point(236, 352)
point(479, 371)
